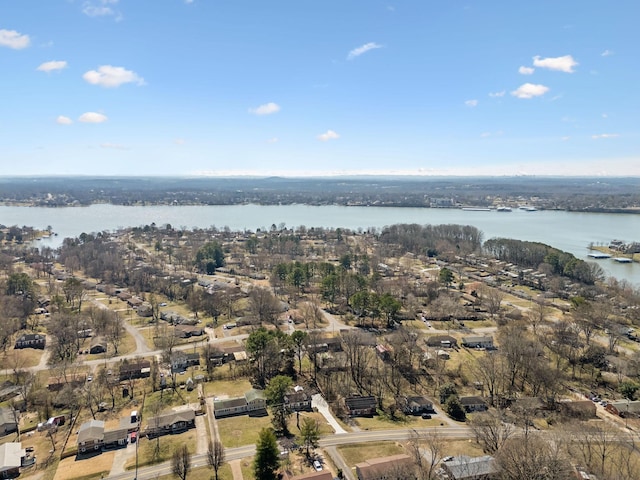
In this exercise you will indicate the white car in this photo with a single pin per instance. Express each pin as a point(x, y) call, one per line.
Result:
point(317, 465)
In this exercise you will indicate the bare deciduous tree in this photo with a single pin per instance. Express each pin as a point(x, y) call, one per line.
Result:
point(181, 462)
point(215, 456)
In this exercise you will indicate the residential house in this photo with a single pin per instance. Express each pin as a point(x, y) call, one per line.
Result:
point(98, 345)
point(473, 404)
point(417, 405)
point(323, 475)
point(8, 421)
point(180, 361)
point(115, 438)
point(361, 406)
point(384, 351)
point(12, 457)
point(464, 467)
point(135, 369)
point(623, 408)
point(442, 341)
point(298, 401)
point(31, 340)
point(55, 384)
point(90, 436)
point(480, 341)
point(188, 331)
point(394, 466)
point(171, 422)
point(253, 401)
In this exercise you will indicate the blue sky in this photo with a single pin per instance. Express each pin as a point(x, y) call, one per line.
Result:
point(302, 87)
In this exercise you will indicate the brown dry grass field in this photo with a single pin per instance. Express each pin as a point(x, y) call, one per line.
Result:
point(360, 452)
point(241, 430)
point(92, 467)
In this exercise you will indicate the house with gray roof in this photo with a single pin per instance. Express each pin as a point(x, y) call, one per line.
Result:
point(171, 422)
point(12, 457)
point(464, 467)
point(90, 436)
point(8, 421)
point(253, 401)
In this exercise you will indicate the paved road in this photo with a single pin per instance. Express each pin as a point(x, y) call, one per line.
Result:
point(150, 473)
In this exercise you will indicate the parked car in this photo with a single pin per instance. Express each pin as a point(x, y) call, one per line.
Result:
point(426, 416)
point(317, 465)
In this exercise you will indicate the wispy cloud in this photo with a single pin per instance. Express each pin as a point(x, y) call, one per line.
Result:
point(560, 64)
point(92, 117)
point(101, 8)
point(497, 94)
point(605, 135)
point(273, 140)
point(13, 39)
point(62, 120)
point(526, 70)
point(356, 52)
point(530, 90)
point(52, 66)
point(114, 146)
point(109, 76)
point(606, 53)
point(179, 141)
point(471, 103)
point(328, 135)
point(266, 109)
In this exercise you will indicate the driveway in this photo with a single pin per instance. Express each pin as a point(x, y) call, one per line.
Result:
point(318, 402)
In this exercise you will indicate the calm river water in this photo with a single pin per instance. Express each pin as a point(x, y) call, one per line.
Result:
point(571, 232)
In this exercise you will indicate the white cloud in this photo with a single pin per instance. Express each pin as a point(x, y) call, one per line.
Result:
point(179, 141)
point(605, 115)
point(356, 52)
point(188, 1)
point(13, 39)
point(101, 8)
point(328, 135)
point(273, 140)
point(62, 120)
point(471, 103)
point(526, 70)
point(115, 146)
point(485, 134)
point(605, 135)
point(565, 139)
point(52, 66)
point(266, 109)
point(530, 90)
point(606, 53)
point(92, 117)
point(561, 64)
point(497, 94)
point(109, 76)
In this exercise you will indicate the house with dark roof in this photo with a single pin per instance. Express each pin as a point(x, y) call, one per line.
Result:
point(417, 405)
point(55, 384)
point(473, 404)
point(360, 406)
point(478, 341)
point(135, 369)
point(180, 361)
point(298, 401)
point(98, 345)
point(323, 475)
point(394, 466)
point(171, 422)
point(31, 340)
point(253, 401)
point(441, 341)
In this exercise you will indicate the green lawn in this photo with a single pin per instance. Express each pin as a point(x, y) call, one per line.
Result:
point(241, 430)
point(358, 453)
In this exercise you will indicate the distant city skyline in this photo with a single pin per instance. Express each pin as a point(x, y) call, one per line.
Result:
point(289, 88)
